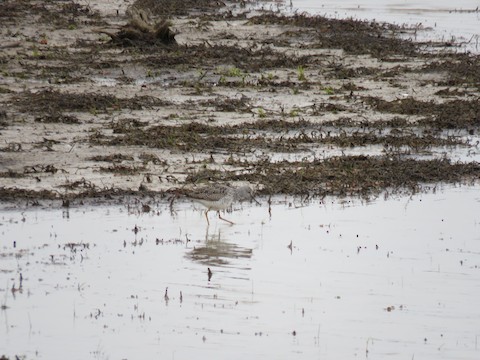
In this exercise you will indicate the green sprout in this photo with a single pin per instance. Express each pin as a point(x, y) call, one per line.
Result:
point(234, 72)
point(301, 73)
point(329, 90)
point(261, 113)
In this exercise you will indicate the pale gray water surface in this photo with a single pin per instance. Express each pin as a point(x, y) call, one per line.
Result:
point(395, 278)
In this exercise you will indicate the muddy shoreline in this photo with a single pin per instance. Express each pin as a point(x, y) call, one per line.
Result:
point(95, 107)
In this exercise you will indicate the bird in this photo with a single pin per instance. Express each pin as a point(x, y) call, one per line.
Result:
point(219, 197)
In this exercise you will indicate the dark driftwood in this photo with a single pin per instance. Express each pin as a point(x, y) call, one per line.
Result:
point(140, 30)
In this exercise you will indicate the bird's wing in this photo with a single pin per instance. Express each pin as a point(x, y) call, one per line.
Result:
point(211, 193)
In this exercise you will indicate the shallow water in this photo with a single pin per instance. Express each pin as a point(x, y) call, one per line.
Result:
point(443, 20)
point(391, 278)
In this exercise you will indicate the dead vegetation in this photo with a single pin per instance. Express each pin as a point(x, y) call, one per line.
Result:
point(58, 119)
point(234, 103)
point(460, 69)
point(274, 135)
point(123, 169)
point(345, 175)
point(63, 14)
point(455, 114)
point(142, 31)
point(54, 102)
point(353, 36)
point(212, 55)
point(114, 158)
point(176, 8)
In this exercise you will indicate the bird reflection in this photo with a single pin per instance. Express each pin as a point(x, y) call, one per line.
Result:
point(217, 251)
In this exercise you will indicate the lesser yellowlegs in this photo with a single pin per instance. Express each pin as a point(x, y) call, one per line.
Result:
point(219, 197)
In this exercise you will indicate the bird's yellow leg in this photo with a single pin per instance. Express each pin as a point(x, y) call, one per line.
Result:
point(220, 217)
point(206, 216)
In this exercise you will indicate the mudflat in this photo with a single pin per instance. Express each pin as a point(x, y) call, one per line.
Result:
point(144, 97)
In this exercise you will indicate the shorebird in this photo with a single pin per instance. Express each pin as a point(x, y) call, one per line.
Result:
point(219, 197)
